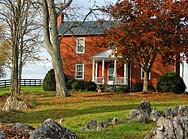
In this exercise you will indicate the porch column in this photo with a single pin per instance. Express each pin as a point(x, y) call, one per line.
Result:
point(115, 74)
point(96, 72)
point(103, 71)
point(125, 74)
point(93, 71)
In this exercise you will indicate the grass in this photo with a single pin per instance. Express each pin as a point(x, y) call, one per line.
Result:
point(80, 108)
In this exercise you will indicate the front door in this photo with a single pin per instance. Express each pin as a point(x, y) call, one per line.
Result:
point(110, 74)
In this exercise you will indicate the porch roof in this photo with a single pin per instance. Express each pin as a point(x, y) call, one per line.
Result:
point(107, 54)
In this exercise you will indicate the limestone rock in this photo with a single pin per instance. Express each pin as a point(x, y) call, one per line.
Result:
point(13, 103)
point(95, 125)
point(155, 115)
point(142, 114)
point(176, 111)
point(92, 125)
point(174, 128)
point(51, 130)
point(116, 121)
point(22, 126)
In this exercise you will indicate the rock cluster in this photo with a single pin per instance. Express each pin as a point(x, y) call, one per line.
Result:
point(174, 128)
point(95, 125)
point(48, 130)
point(172, 123)
point(144, 113)
point(52, 130)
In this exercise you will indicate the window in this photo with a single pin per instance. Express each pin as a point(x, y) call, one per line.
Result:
point(142, 74)
point(80, 45)
point(79, 71)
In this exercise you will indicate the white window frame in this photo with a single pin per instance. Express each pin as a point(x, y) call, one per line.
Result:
point(142, 74)
point(76, 72)
point(77, 45)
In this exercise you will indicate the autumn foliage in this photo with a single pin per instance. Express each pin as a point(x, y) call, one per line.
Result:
point(145, 29)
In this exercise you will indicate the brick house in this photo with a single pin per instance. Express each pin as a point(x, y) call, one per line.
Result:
point(84, 60)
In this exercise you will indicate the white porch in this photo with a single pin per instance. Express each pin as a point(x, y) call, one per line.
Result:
point(105, 70)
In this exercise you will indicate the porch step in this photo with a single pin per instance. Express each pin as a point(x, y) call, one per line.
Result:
point(107, 88)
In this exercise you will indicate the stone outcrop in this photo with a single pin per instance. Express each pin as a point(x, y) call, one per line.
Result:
point(172, 123)
point(13, 103)
point(95, 125)
point(52, 130)
point(174, 128)
point(144, 113)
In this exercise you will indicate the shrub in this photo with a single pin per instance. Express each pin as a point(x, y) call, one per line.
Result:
point(122, 89)
point(78, 85)
point(151, 88)
point(137, 87)
point(90, 86)
point(69, 83)
point(170, 82)
point(49, 83)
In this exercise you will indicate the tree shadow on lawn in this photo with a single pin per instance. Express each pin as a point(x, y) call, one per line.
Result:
point(35, 117)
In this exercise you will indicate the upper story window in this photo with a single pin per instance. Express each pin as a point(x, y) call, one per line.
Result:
point(79, 73)
point(80, 45)
point(142, 74)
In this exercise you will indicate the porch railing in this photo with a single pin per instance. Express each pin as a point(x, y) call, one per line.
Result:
point(98, 80)
point(117, 80)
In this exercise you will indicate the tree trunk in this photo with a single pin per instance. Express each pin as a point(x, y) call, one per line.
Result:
point(61, 89)
point(52, 43)
point(145, 85)
point(20, 72)
point(14, 76)
point(177, 64)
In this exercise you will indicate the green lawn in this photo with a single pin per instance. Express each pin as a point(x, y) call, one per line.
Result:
point(80, 108)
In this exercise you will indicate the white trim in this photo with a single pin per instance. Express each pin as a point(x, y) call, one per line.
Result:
point(115, 71)
point(96, 71)
point(110, 82)
point(93, 70)
point(103, 71)
point(78, 39)
point(76, 72)
point(125, 74)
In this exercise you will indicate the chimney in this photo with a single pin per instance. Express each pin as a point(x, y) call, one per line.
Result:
point(60, 19)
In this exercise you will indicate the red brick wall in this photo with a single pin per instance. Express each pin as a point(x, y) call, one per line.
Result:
point(157, 70)
point(70, 57)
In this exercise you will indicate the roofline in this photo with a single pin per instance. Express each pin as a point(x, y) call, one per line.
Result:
point(96, 34)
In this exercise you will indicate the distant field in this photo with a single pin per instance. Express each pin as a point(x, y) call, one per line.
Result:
point(80, 108)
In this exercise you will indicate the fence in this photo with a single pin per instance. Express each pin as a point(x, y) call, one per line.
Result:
point(24, 82)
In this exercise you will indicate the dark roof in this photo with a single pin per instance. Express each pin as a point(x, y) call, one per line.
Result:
point(84, 28)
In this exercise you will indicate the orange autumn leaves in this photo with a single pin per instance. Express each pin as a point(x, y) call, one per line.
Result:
point(146, 29)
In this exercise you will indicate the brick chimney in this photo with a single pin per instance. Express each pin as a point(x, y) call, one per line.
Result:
point(60, 19)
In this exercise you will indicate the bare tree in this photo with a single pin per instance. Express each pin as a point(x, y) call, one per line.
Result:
point(18, 18)
point(21, 36)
